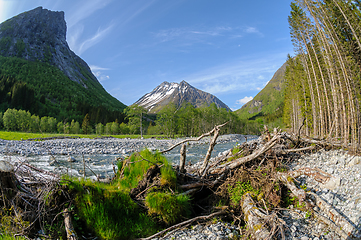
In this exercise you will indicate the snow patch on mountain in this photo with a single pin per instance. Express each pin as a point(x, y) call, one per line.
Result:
point(177, 93)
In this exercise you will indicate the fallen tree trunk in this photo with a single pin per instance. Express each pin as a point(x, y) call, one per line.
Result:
point(8, 181)
point(254, 222)
point(345, 229)
point(70, 232)
point(315, 173)
point(288, 181)
point(239, 161)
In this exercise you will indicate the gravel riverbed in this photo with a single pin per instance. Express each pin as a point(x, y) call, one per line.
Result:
point(344, 193)
point(99, 146)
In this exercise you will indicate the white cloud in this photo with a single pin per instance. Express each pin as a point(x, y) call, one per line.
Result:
point(91, 41)
point(260, 77)
point(244, 100)
point(259, 89)
point(253, 30)
point(84, 9)
point(97, 71)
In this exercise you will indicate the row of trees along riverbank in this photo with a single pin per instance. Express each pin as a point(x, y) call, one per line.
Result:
point(323, 80)
point(171, 121)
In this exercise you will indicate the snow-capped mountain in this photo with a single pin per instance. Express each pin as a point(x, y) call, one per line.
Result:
point(177, 93)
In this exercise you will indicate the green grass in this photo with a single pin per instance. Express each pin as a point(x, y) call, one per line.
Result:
point(168, 207)
point(108, 211)
point(24, 136)
point(11, 237)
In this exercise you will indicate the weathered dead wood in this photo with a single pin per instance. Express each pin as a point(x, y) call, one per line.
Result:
point(315, 173)
point(203, 183)
point(8, 182)
point(185, 223)
point(70, 232)
point(190, 192)
point(239, 161)
point(344, 228)
point(288, 181)
point(145, 182)
point(254, 222)
point(193, 139)
point(285, 151)
point(322, 143)
point(41, 170)
point(203, 170)
point(182, 160)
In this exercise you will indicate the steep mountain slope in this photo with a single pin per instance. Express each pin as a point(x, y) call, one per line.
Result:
point(268, 100)
point(176, 93)
point(35, 55)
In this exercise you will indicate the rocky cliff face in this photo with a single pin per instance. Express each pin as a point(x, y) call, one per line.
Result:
point(167, 92)
point(40, 35)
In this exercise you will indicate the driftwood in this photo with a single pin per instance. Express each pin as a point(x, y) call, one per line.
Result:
point(345, 229)
point(182, 161)
point(193, 139)
point(216, 130)
point(199, 218)
point(8, 181)
point(239, 161)
point(70, 232)
point(315, 173)
point(288, 181)
point(252, 217)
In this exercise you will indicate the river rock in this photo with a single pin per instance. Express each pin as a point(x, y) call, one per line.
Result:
point(71, 159)
point(333, 183)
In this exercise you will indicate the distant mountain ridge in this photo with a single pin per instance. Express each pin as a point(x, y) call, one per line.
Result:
point(177, 93)
point(269, 100)
point(37, 61)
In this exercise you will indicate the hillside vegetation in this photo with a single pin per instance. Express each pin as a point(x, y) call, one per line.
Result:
point(44, 90)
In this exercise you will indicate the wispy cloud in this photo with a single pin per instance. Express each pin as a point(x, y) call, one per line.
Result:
point(98, 72)
point(254, 31)
point(244, 100)
point(97, 37)
point(237, 76)
point(85, 9)
point(200, 33)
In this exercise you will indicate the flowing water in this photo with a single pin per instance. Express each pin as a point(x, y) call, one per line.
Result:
point(104, 165)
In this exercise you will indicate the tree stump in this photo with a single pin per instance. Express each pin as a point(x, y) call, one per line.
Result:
point(8, 181)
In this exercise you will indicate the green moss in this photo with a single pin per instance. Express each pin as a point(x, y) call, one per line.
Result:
point(239, 190)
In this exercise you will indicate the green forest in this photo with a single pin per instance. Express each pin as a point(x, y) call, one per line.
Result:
point(170, 122)
point(323, 80)
point(44, 90)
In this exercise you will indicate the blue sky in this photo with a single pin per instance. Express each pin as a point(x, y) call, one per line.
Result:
point(230, 48)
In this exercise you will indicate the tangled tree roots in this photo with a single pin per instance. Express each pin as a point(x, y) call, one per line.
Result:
point(32, 198)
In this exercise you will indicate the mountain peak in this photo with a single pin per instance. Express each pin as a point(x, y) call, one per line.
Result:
point(40, 35)
point(167, 92)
